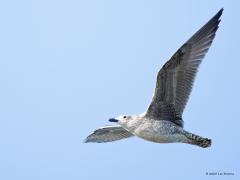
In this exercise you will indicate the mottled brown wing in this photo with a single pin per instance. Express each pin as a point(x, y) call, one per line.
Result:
point(108, 134)
point(175, 79)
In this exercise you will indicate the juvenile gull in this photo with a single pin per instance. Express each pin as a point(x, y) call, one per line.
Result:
point(162, 122)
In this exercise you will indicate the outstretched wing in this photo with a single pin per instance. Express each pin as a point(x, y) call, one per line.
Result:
point(107, 134)
point(175, 79)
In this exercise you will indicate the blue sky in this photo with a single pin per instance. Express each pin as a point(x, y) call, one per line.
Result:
point(68, 66)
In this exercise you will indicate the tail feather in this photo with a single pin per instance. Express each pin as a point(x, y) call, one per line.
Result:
point(199, 141)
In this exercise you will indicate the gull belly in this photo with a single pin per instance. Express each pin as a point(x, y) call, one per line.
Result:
point(160, 131)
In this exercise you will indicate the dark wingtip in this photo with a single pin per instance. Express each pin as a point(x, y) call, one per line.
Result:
point(220, 12)
point(218, 15)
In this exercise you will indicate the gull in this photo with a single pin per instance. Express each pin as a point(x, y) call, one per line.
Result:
point(162, 122)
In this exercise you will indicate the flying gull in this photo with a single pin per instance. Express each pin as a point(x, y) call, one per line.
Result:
point(162, 122)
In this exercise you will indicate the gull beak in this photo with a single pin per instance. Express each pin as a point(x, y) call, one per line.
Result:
point(113, 120)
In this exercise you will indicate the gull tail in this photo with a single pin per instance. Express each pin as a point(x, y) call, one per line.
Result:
point(198, 140)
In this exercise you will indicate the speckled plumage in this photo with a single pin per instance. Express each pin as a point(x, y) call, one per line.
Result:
point(162, 122)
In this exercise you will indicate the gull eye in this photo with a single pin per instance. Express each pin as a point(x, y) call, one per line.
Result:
point(124, 117)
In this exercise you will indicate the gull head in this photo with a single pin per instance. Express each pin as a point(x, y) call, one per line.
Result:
point(127, 122)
